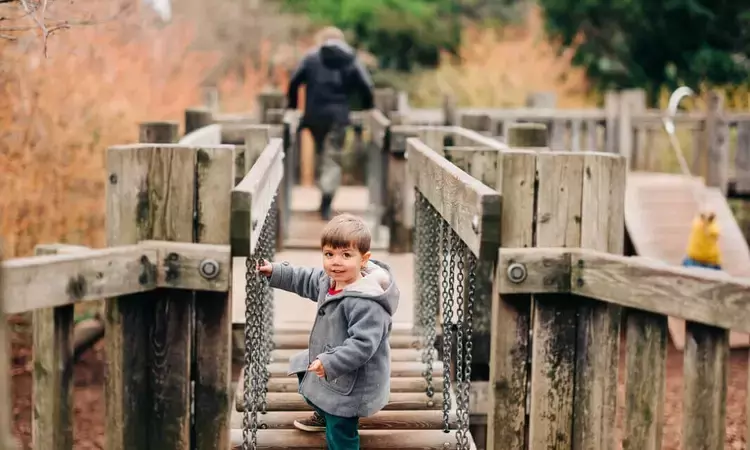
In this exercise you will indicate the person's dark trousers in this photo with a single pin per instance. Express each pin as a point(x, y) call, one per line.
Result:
point(329, 139)
point(342, 433)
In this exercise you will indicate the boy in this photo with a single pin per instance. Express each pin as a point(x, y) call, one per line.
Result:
point(703, 246)
point(345, 373)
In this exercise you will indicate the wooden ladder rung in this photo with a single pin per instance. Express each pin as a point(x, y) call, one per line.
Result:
point(293, 401)
point(397, 354)
point(400, 384)
point(398, 369)
point(301, 341)
point(387, 419)
point(369, 439)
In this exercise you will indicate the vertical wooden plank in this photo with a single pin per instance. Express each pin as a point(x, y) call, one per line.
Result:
point(196, 118)
point(158, 132)
point(575, 135)
point(559, 196)
point(705, 369)
point(506, 421)
point(558, 135)
point(742, 157)
point(598, 327)
point(611, 132)
point(7, 441)
point(591, 137)
point(646, 380)
point(213, 321)
point(716, 143)
point(150, 195)
point(52, 419)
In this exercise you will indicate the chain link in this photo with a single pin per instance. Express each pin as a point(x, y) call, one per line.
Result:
point(427, 282)
point(447, 291)
point(258, 331)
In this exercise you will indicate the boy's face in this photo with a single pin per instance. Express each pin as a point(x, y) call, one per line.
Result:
point(343, 265)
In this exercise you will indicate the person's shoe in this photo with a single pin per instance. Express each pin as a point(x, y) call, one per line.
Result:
point(315, 422)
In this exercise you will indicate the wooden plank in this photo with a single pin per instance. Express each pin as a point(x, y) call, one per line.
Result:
point(301, 341)
point(716, 143)
point(7, 441)
point(400, 384)
point(544, 271)
point(52, 421)
point(645, 385)
point(509, 371)
point(597, 351)
point(253, 196)
point(213, 313)
point(704, 399)
point(398, 369)
point(50, 281)
point(554, 316)
point(150, 196)
point(382, 420)
point(370, 439)
point(704, 296)
point(293, 401)
point(742, 158)
point(479, 162)
point(159, 132)
point(471, 208)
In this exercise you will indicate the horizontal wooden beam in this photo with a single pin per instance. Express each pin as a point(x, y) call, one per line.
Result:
point(50, 281)
point(470, 207)
point(693, 294)
point(253, 196)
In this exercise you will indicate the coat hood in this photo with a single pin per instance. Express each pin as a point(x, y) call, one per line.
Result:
point(377, 284)
point(336, 54)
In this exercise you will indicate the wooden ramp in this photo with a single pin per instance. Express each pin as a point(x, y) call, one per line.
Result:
point(411, 419)
point(659, 210)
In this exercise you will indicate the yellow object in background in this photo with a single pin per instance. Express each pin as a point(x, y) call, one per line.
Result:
point(703, 245)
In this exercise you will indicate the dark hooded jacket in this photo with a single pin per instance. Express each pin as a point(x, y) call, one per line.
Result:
point(331, 73)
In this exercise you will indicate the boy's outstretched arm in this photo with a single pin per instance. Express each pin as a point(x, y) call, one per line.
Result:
point(368, 325)
point(303, 281)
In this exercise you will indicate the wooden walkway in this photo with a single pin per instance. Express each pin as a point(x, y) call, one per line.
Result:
point(411, 419)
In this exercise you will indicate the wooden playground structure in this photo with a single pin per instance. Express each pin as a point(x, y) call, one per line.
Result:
point(525, 242)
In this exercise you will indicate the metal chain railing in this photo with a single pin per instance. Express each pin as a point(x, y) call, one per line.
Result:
point(258, 331)
point(444, 283)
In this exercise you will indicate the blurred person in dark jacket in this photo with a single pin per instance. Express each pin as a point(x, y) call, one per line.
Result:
point(332, 74)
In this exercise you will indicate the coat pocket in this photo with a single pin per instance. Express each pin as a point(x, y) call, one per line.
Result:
point(344, 384)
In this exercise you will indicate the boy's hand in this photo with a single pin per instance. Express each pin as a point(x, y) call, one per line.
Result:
point(264, 267)
point(317, 367)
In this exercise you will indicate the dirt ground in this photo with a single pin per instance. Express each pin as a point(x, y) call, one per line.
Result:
point(90, 409)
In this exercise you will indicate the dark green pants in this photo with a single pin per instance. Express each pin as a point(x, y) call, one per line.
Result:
point(342, 433)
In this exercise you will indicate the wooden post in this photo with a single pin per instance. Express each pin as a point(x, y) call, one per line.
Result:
point(52, 421)
point(450, 110)
point(611, 133)
point(267, 100)
point(400, 198)
point(151, 194)
point(511, 314)
point(158, 132)
point(527, 135)
point(716, 143)
point(7, 441)
point(742, 158)
point(196, 118)
point(213, 310)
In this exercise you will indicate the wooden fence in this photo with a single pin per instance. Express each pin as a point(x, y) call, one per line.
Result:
point(552, 302)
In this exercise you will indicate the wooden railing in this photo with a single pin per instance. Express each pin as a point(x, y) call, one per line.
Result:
point(165, 280)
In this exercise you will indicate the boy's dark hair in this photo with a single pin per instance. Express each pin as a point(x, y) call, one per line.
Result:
point(346, 230)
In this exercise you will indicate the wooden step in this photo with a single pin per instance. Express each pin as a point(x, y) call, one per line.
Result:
point(369, 439)
point(389, 420)
point(301, 341)
point(398, 328)
point(397, 354)
point(398, 369)
point(400, 384)
point(292, 401)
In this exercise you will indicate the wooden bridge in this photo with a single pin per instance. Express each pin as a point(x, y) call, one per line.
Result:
point(508, 254)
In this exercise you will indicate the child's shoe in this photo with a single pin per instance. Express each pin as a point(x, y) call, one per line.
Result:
point(316, 422)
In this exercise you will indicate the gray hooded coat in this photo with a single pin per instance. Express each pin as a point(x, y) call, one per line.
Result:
point(350, 337)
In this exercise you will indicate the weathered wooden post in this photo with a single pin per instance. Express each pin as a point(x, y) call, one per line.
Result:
point(197, 117)
point(7, 441)
point(714, 157)
point(267, 100)
point(172, 193)
point(556, 199)
point(165, 132)
point(400, 197)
